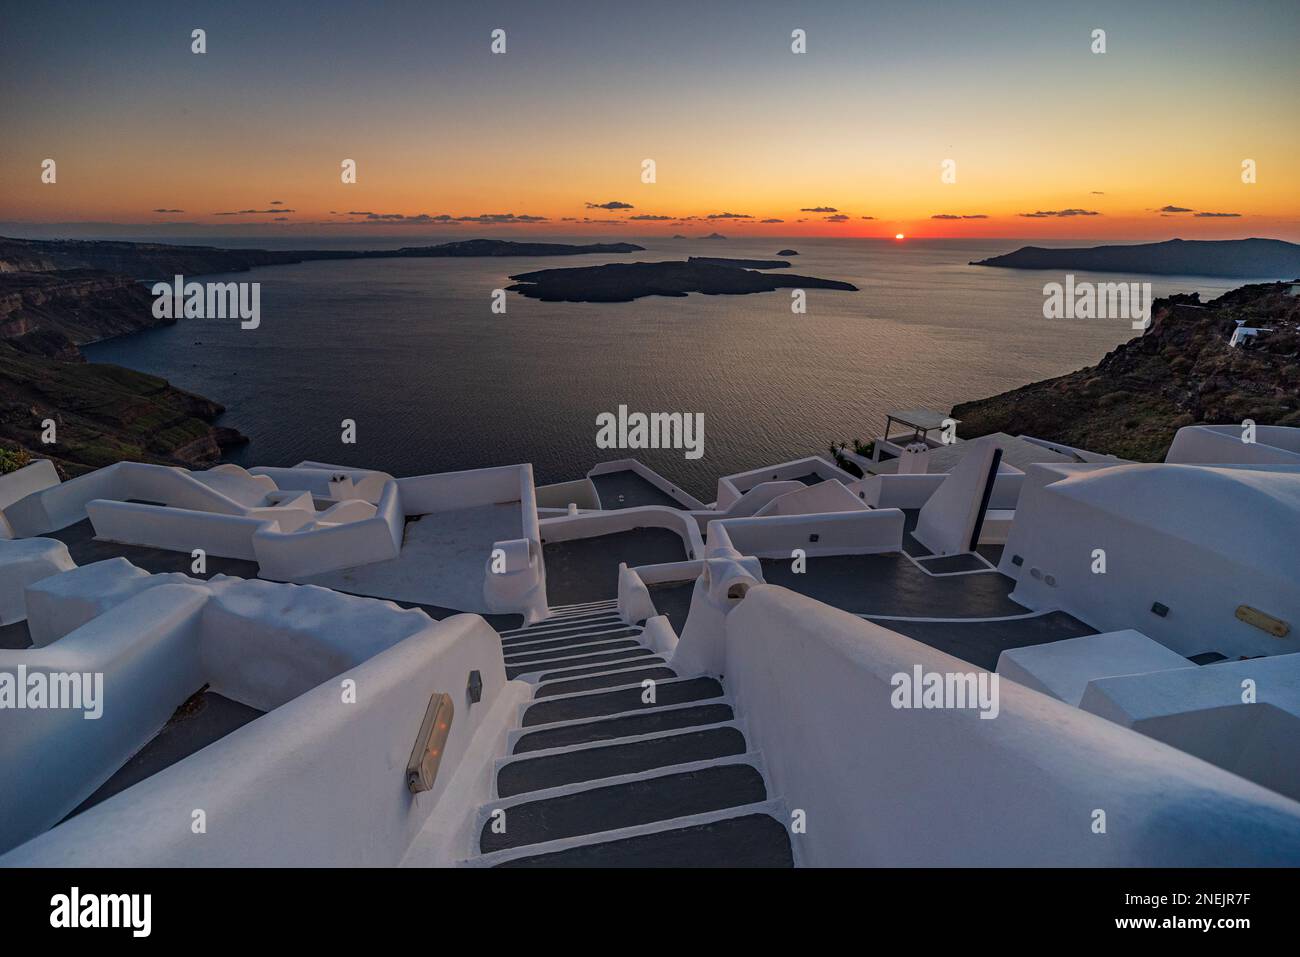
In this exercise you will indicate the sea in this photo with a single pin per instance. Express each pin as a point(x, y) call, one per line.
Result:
point(412, 353)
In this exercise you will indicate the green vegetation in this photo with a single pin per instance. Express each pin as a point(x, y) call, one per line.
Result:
point(1180, 372)
point(11, 460)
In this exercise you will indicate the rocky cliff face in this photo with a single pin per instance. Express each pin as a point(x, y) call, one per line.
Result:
point(101, 413)
point(1180, 372)
point(82, 304)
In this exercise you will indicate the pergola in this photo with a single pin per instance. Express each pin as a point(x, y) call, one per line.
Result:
point(920, 421)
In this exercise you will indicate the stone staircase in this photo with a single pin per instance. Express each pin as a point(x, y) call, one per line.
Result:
point(618, 761)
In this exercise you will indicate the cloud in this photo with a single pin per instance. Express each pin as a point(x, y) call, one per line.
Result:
point(647, 216)
point(255, 212)
point(1097, 192)
point(612, 204)
point(1173, 209)
point(1216, 215)
point(168, 210)
point(773, 220)
point(866, 217)
point(280, 219)
point(422, 219)
point(837, 218)
point(1046, 213)
point(819, 209)
point(730, 216)
point(953, 216)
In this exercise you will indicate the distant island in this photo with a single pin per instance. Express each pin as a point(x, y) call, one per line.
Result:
point(1237, 258)
point(788, 252)
point(739, 263)
point(624, 282)
point(57, 295)
point(1180, 372)
point(714, 236)
point(164, 260)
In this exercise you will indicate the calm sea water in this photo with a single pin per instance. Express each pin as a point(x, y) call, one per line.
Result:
point(411, 351)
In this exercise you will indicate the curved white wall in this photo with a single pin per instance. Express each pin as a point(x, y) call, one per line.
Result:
point(315, 783)
point(1223, 445)
point(888, 787)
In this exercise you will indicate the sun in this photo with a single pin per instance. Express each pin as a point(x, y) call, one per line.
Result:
point(898, 236)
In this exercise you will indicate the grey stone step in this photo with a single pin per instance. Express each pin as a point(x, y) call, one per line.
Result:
point(751, 840)
point(572, 651)
point(519, 647)
point(624, 699)
point(606, 662)
point(607, 761)
point(624, 726)
point(573, 671)
point(625, 805)
point(558, 631)
point(597, 682)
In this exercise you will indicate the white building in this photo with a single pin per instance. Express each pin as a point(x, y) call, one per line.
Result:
point(1022, 654)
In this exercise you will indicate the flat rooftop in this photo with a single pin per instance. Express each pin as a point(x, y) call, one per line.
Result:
point(1016, 452)
point(586, 569)
point(443, 561)
point(892, 591)
point(85, 550)
point(627, 489)
point(892, 584)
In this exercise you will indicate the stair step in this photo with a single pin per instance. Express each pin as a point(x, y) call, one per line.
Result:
point(602, 662)
point(624, 699)
point(624, 726)
point(542, 642)
point(549, 630)
point(597, 682)
point(584, 604)
point(750, 840)
point(571, 611)
point(572, 671)
point(606, 761)
point(625, 805)
point(570, 651)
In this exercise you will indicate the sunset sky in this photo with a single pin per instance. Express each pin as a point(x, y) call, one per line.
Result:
point(1142, 142)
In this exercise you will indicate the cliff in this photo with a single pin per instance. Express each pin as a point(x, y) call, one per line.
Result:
point(82, 304)
point(104, 414)
point(1180, 372)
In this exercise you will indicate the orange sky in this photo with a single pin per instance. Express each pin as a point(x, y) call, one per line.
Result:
point(735, 122)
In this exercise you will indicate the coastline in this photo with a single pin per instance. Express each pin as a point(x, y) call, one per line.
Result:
point(215, 442)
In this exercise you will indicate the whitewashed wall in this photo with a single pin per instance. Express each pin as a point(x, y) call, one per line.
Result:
point(882, 786)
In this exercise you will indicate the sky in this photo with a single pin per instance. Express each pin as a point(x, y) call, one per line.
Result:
point(853, 137)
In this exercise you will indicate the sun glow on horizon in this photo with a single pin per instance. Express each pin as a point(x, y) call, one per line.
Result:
point(899, 236)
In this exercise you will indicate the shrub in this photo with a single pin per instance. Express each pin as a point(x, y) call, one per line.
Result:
point(11, 460)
